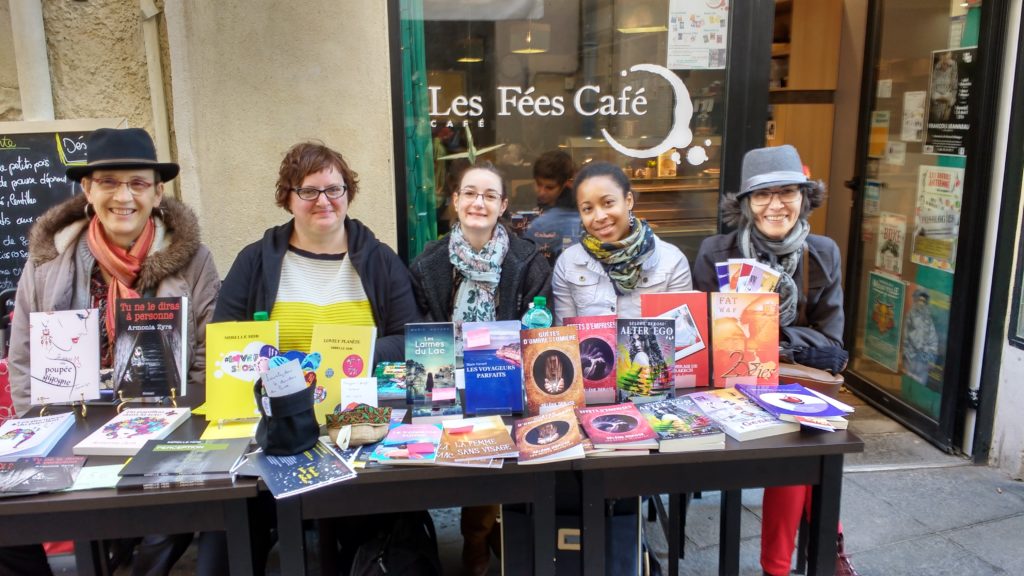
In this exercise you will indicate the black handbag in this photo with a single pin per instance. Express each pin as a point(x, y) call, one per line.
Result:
point(287, 423)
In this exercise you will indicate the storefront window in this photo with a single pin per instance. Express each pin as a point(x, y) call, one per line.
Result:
point(639, 83)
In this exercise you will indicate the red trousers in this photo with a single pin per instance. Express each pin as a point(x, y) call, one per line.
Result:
point(781, 510)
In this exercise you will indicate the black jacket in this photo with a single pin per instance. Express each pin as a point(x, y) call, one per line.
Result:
point(825, 317)
point(525, 273)
point(251, 284)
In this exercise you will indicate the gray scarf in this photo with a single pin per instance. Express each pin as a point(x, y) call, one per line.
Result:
point(783, 256)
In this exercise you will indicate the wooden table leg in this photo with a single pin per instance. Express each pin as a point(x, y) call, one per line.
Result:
point(290, 536)
point(675, 527)
point(236, 524)
point(88, 558)
point(544, 525)
point(825, 502)
point(729, 536)
point(593, 522)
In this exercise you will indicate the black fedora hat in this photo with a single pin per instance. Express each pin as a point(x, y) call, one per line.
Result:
point(116, 149)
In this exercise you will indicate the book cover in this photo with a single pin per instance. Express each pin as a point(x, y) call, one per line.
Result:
point(290, 475)
point(597, 356)
point(346, 352)
point(234, 351)
point(645, 356)
point(408, 444)
point(64, 351)
point(689, 310)
point(35, 475)
point(493, 364)
point(885, 320)
point(549, 437)
point(892, 232)
point(739, 416)
point(681, 425)
point(171, 482)
point(617, 425)
point(430, 370)
point(29, 437)
point(171, 457)
point(151, 347)
point(473, 439)
point(390, 380)
point(787, 401)
point(745, 338)
point(126, 433)
point(552, 376)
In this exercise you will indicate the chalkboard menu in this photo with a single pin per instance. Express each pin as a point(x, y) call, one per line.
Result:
point(32, 180)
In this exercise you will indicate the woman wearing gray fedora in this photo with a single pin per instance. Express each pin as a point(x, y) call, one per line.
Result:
point(770, 219)
point(121, 238)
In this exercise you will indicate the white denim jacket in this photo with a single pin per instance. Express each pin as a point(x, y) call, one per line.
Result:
point(581, 287)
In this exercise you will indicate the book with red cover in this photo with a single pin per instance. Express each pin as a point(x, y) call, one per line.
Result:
point(617, 426)
point(552, 376)
point(692, 352)
point(745, 338)
point(597, 356)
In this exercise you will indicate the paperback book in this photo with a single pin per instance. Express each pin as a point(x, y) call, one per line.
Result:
point(689, 310)
point(36, 475)
point(390, 380)
point(151, 347)
point(475, 440)
point(32, 437)
point(64, 350)
point(186, 457)
point(346, 352)
point(409, 444)
point(236, 354)
point(792, 401)
point(745, 338)
point(549, 437)
point(597, 356)
point(430, 371)
point(314, 468)
point(646, 357)
point(126, 433)
point(739, 416)
point(169, 482)
point(617, 426)
point(681, 426)
point(493, 364)
point(552, 376)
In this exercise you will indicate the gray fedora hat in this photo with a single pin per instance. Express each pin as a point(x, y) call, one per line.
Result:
point(771, 167)
point(116, 149)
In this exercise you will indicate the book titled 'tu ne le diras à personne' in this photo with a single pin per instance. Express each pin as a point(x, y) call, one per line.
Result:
point(151, 347)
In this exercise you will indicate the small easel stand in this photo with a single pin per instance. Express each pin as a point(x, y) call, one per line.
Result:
point(45, 406)
point(123, 401)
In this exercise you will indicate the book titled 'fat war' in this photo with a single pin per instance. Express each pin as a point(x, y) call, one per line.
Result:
point(745, 338)
point(151, 347)
point(552, 376)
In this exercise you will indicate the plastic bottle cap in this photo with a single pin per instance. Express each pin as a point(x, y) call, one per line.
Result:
point(540, 301)
point(260, 316)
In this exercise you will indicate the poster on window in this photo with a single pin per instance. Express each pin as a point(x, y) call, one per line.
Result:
point(937, 216)
point(892, 232)
point(696, 34)
point(925, 332)
point(885, 320)
point(948, 93)
point(879, 135)
point(913, 116)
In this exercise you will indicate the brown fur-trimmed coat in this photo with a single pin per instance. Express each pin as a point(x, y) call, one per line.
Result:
point(59, 267)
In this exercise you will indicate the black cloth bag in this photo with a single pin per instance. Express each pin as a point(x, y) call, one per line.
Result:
point(290, 427)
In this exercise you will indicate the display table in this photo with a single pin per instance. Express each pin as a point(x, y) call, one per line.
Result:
point(88, 516)
point(805, 457)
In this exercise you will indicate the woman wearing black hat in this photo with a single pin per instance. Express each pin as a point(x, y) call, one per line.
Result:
point(121, 238)
point(770, 215)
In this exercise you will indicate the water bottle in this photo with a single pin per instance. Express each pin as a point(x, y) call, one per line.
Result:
point(538, 315)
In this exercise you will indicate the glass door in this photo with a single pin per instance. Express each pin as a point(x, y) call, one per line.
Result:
point(912, 257)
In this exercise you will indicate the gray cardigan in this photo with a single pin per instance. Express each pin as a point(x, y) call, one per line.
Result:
point(825, 317)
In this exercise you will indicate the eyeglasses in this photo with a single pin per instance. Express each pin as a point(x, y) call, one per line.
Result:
point(310, 193)
point(108, 185)
point(787, 195)
point(471, 195)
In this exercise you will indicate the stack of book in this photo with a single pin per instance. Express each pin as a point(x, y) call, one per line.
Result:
point(619, 428)
point(32, 437)
point(315, 468)
point(739, 416)
point(681, 426)
point(482, 442)
point(126, 433)
point(183, 464)
point(794, 403)
point(35, 475)
point(549, 437)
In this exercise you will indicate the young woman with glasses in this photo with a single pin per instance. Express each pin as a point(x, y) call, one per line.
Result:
point(770, 216)
point(479, 272)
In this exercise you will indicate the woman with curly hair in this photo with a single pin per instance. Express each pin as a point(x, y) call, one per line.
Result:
point(770, 215)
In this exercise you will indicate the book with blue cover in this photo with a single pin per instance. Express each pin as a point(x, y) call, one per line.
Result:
point(314, 468)
point(493, 365)
point(32, 437)
point(430, 371)
point(789, 402)
point(409, 444)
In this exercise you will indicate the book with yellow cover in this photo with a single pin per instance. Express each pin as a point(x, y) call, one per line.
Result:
point(234, 351)
point(347, 352)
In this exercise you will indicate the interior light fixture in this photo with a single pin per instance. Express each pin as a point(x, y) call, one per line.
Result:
point(472, 50)
point(530, 37)
point(641, 17)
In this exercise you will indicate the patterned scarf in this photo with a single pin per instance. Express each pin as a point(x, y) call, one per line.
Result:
point(783, 256)
point(121, 265)
point(623, 259)
point(481, 271)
